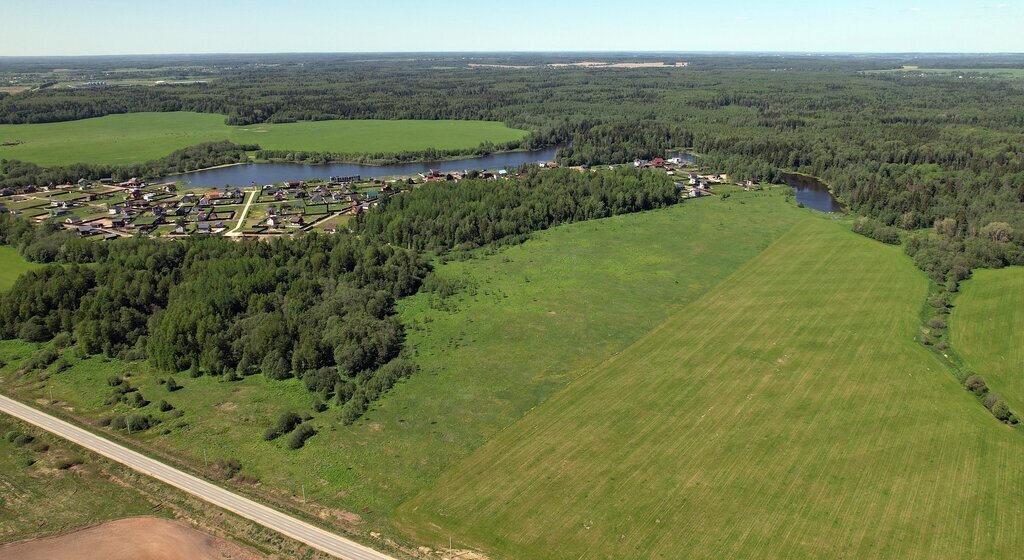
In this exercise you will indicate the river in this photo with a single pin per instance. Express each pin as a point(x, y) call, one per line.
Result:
point(268, 173)
point(812, 193)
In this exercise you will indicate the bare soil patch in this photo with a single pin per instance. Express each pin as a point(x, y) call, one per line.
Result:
point(137, 538)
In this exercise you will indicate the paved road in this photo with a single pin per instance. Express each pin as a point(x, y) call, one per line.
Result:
point(269, 518)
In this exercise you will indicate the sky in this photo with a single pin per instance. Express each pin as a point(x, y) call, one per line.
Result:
point(95, 27)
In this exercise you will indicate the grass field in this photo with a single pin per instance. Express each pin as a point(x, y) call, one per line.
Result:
point(787, 413)
point(529, 319)
point(138, 137)
point(986, 329)
point(40, 498)
point(12, 265)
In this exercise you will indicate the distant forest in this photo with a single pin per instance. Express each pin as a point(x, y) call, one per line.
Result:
point(906, 150)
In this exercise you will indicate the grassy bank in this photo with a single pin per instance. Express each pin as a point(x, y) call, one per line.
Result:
point(139, 137)
point(787, 413)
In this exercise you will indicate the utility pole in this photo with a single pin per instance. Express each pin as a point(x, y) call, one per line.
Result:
point(206, 464)
point(303, 493)
point(51, 394)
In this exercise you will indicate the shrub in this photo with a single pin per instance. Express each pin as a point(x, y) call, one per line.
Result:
point(136, 400)
point(62, 340)
point(227, 468)
point(1000, 232)
point(11, 436)
point(103, 422)
point(876, 230)
point(937, 323)
point(33, 330)
point(990, 400)
point(165, 406)
point(285, 423)
point(172, 385)
point(298, 438)
point(66, 463)
point(140, 422)
point(23, 439)
point(1001, 411)
point(976, 385)
point(115, 380)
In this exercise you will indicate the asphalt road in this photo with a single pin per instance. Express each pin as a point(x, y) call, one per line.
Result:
point(265, 516)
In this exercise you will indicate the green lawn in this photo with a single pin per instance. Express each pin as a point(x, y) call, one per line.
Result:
point(987, 330)
point(137, 137)
point(12, 265)
point(529, 319)
point(787, 413)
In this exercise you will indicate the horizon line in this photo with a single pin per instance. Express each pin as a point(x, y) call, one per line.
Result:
point(730, 52)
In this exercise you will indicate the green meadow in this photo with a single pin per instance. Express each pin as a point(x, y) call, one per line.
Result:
point(786, 413)
point(986, 329)
point(525, 322)
point(140, 137)
point(12, 265)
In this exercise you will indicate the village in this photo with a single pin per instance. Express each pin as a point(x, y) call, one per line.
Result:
point(106, 209)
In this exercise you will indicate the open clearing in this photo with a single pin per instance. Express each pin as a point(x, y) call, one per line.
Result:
point(987, 330)
point(139, 538)
point(139, 137)
point(528, 319)
point(787, 413)
point(12, 265)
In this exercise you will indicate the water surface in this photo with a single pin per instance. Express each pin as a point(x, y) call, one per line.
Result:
point(268, 173)
point(812, 193)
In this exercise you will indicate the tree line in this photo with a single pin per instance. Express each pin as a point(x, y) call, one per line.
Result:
point(315, 307)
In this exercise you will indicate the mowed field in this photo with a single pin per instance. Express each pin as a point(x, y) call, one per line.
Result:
point(140, 137)
point(12, 265)
point(787, 413)
point(526, 321)
point(987, 330)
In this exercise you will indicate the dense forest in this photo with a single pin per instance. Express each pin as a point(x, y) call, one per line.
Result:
point(909, 150)
point(316, 307)
point(478, 212)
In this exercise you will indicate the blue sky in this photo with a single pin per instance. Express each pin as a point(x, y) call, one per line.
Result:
point(62, 27)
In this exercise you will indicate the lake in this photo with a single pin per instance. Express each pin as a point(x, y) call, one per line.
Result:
point(268, 173)
point(812, 193)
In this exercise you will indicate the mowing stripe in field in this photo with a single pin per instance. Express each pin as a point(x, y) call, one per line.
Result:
point(788, 413)
point(987, 329)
